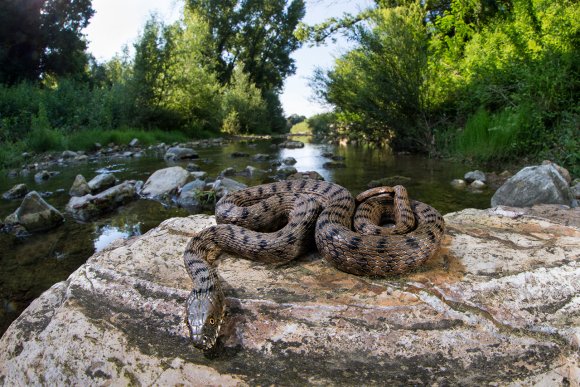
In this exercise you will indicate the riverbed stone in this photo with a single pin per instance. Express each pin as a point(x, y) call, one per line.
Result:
point(179, 153)
point(477, 184)
point(68, 154)
point(165, 182)
point(134, 142)
point(333, 165)
point(471, 176)
point(237, 155)
point(190, 195)
point(498, 305)
point(193, 167)
point(306, 175)
point(289, 161)
point(80, 187)
point(41, 176)
point(541, 184)
point(285, 171)
point(35, 214)
point(88, 207)
point(260, 157)
point(224, 185)
point(458, 183)
point(16, 192)
point(291, 144)
point(229, 171)
point(102, 182)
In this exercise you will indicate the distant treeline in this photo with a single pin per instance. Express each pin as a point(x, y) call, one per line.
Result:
point(219, 69)
point(480, 79)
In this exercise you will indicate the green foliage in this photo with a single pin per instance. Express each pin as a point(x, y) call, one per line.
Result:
point(322, 124)
point(301, 128)
point(86, 139)
point(506, 73)
point(40, 37)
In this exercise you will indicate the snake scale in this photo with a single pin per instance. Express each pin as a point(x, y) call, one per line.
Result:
point(279, 221)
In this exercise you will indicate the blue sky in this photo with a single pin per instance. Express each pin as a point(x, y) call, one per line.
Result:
point(118, 23)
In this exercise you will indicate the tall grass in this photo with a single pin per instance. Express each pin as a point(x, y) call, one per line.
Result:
point(488, 136)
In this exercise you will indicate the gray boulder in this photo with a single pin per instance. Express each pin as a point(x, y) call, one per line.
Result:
point(541, 184)
point(165, 182)
point(458, 183)
point(16, 192)
point(229, 171)
point(80, 187)
point(498, 306)
point(306, 175)
point(290, 144)
point(285, 171)
point(41, 176)
point(89, 206)
point(289, 161)
point(35, 214)
point(225, 185)
point(134, 142)
point(102, 182)
point(192, 167)
point(471, 176)
point(178, 153)
point(190, 195)
point(334, 165)
point(68, 154)
point(261, 157)
point(477, 184)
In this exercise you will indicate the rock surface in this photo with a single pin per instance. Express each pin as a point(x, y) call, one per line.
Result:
point(16, 192)
point(472, 176)
point(35, 214)
point(223, 185)
point(542, 184)
point(102, 182)
point(178, 153)
point(87, 207)
point(498, 305)
point(79, 187)
point(165, 182)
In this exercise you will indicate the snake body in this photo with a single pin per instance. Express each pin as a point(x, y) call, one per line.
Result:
point(279, 221)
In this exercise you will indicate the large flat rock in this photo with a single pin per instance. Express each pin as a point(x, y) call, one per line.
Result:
point(499, 304)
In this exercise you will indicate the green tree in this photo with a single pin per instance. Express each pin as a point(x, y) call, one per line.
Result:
point(42, 37)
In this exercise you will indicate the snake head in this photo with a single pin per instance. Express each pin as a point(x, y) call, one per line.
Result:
point(205, 312)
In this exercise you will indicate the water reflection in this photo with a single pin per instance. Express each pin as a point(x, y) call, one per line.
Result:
point(108, 234)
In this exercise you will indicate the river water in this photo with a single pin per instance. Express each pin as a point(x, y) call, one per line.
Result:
point(30, 265)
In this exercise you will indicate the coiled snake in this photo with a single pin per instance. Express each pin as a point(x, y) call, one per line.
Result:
point(307, 210)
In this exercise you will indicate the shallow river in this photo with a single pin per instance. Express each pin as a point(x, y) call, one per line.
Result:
point(30, 265)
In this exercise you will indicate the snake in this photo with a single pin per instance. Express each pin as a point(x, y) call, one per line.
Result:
point(379, 233)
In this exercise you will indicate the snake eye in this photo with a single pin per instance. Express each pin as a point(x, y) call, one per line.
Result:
point(211, 321)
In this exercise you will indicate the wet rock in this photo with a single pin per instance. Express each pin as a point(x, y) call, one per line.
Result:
point(477, 184)
point(289, 161)
point(35, 214)
point(201, 175)
point(261, 157)
point(177, 153)
point(306, 175)
point(81, 158)
point(333, 165)
point(127, 154)
point(291, 144)
point(97, 146)
point(230, 171)
point(500, 296)
point(165, 182)
point(576, 190)
point(16, 192)
point(563, 171)
point(79, 187)
point(12, 173)
point(390, 181)
point(101, 182)
point(458, 183)
point(41, 176)
point(134, 142)
point(471, 176)
point(190, 195)
point(327, 154)
point(68, 154)
point(90, 206)
point(192, 167)
point(224, 185)
point(239, 155)
point(251, 171)
point(285, 171)
point(542, 184)
point(338, 158)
